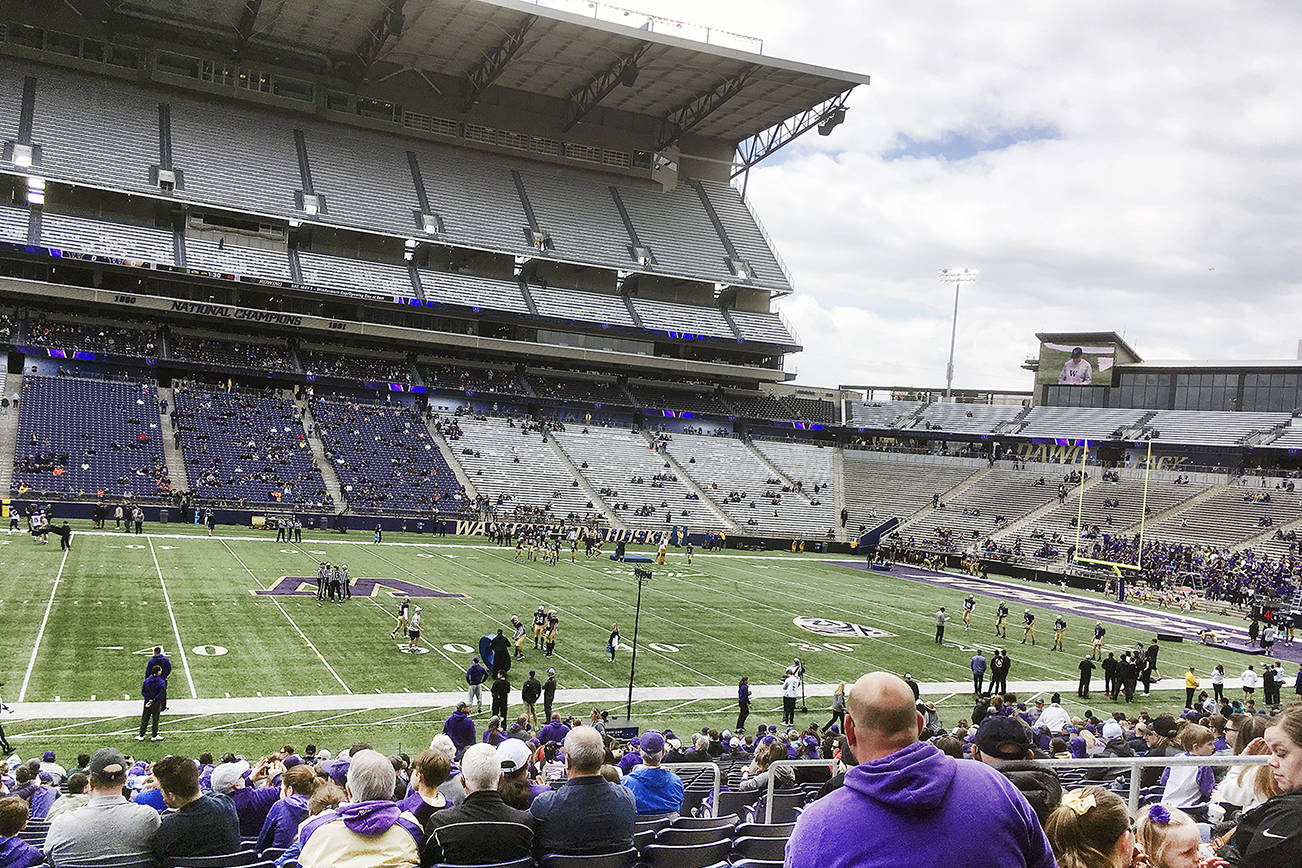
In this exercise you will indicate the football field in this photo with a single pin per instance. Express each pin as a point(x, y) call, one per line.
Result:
point(259, 662)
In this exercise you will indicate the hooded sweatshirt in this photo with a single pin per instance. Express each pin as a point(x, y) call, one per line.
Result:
point(281, 826)
point(461, 729)
point(17, 853)
point(361, 835)
point(921, 807)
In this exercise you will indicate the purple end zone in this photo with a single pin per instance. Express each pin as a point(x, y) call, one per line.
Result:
point(1110, 611)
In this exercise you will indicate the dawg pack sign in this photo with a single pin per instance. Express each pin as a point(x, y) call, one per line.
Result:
point(839, 629)
point(305, 586)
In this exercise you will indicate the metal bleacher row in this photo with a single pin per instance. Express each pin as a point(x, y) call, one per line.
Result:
point(245, 159)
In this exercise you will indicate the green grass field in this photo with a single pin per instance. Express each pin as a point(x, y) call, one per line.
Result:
point(703, 625)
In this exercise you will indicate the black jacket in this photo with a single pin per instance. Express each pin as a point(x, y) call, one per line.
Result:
point(501, 689)
point(532, 690)
point(549, 688)
point(1038, 783)
point(1269, 836)
point(480, 831)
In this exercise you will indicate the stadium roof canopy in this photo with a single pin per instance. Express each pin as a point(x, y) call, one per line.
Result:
point(583, 54)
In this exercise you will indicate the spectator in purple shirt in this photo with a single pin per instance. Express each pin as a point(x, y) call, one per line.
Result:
point(460, 728)
point(554, 731)
point(251, 803)
point(14, 851)
point(285, 816)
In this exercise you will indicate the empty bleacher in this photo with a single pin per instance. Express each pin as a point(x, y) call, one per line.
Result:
point(103, 238)
point(581, 217)
point(1211, 427)
point(738, 483)
point(89, 437)
point(573, 304)
point(386, 459)
point(468, 290)
point(1073, 422)
point(514, 468)
point(999, 492)
point(805, 463)
point(228, 257)
point(611, 457)
point(880, 414)
point(965, 418)
point(675, 226)
point(383, 197)
point(674, 317)
point(813, 410)
point(880, 485)
point(755, 405)
point(13, 224)
point(357, 276)
point(1290, 437)
point(765, 327)
point(745, 234)
point(246, 447)
point(475, 197)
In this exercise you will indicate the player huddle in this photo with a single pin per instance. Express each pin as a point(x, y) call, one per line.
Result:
point(545, 544)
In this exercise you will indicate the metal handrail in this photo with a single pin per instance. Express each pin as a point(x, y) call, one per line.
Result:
point(791, 764)
point(714, 767)
point(1132, 764)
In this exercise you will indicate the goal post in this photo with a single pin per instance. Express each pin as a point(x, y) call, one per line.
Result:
point(1117, 566)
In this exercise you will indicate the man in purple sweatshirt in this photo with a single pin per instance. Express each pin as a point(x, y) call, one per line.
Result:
point(908, 802)
point(460, 728)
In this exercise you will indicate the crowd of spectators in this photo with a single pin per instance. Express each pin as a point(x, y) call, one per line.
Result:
point(230, 354)
point(371, 367)
point(69, 335)
point(469, 381)
point(897, 784)
point(1226, 575)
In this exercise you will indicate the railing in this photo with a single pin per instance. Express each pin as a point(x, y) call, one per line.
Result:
point(717, 774)
point(656, 24)
point(1133, 764)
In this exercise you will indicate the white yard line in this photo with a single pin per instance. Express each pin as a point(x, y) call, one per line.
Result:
point(176, 631)
point(27, 676)
point(319, 655)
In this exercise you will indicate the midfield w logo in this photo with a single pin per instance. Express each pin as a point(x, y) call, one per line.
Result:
point(305, 586)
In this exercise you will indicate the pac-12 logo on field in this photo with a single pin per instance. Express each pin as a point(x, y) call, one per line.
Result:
point(840, 629)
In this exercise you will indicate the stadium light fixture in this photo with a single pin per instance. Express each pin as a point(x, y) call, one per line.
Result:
point(834, 119)
point(35, 190)
point(22, 156)
point(956, 276)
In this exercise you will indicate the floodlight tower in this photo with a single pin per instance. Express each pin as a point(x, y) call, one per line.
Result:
point(958, 277)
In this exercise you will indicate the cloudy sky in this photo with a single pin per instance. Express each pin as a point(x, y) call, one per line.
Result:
point(1110, 165)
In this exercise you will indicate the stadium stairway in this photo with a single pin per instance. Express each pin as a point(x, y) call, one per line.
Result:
point(607, 513)
point(9, 384)
point(449, 455)
point(171, 451)
point(773, 468)
point(1182, 506)
point(1012, 529)
point(838, 492)
point(687, 479)
point(323, 464)
point(1265, 542)
point(945, 496)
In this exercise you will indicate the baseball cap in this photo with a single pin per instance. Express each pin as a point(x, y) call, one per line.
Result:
point(1003, 738)
point(338, 770)
point(551, 671)
point(514, 754)
point(107, 762)
point(653, 742)
point(226, 774)
point(48, 756)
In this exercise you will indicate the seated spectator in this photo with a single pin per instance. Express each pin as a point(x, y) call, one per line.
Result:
point(75, 798)
point(370, 829)
point(201, 824)
point(483, 829)
point(1270, 835)
point(657, 790)
point(517, 787)
point(1190, 786)
point(429, 771)
point(1092, 828)
point(284, 818)
point(460, 728)
point(14, 851)
point(906, 802)
point(108, 825)
point(588, 814)
point(554, 731)
point(758, 777)
point(251, 803)
point(38, 794)
point(58, 774)
point(1004, 743)
point(1168, 837)
point(1055, 718)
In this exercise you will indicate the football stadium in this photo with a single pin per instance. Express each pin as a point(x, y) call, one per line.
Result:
point(399, 441)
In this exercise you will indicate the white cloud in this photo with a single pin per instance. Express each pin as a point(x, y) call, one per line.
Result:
point(1180, 152)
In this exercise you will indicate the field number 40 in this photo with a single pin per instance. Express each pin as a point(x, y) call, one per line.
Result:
point(830, 646)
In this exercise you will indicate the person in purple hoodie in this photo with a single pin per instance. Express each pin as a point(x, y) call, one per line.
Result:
point(37, 794)
point(555, 730)
point(14, 851)
point(281, 826)
point(154, 692)
point(460, 728)
point(370, 829)
point(907, 801)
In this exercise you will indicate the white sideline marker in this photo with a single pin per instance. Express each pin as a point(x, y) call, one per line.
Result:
point(22, 692)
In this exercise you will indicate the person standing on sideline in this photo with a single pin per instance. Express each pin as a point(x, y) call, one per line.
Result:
point(160, 660)
point(476, 675)
point(1109, 674)
point(501, 691)
point(379, 535)
point(1249, 681)
point(413, 631)
point(346, 581)
point(941, 618)
point(549, 693)
point(517, 637)
point(210, 519)
point(790, 693)
point(1086, 672)
point(529, 693)
point(401, 627)
point(968, 605)
point(118, 515)
point(1190, 687)
point(613, 642)
point(1218, 682)
point(1096, 647)
point(838, 710)
point(153, 691)
point(978, 664)
point(743, 702)
point(999, 666)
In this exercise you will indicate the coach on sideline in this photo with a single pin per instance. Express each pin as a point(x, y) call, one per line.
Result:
point(908, 802)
